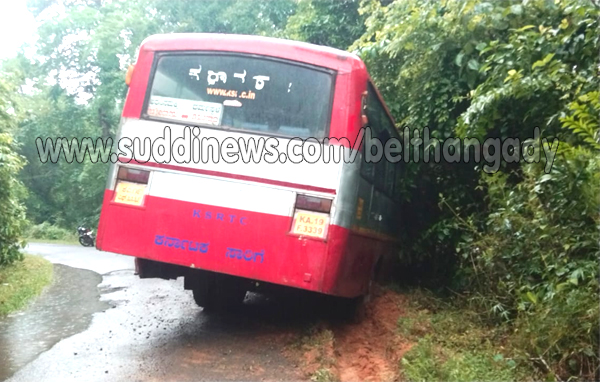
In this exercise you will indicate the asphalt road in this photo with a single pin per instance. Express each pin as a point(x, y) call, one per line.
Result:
point(99, 322)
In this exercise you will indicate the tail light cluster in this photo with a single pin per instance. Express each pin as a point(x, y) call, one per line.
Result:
point(311, 216)
point(131, 187)
point(133, 175)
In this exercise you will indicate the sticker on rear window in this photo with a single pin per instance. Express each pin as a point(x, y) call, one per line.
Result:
point(206, 113)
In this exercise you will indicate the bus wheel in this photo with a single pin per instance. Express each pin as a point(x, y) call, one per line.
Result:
point(358, 305)
point(358, 309)
point(352, 310)
point(218, 292)
point(203, 297)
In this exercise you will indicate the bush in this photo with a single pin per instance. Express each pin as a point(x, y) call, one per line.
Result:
point(47, 231)
point(536, 261)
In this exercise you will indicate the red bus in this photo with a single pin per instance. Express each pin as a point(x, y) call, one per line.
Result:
point(228, 226)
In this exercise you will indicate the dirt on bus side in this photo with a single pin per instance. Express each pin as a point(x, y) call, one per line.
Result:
point(367, 351)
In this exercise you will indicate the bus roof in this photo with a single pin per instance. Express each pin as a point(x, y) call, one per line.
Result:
point(332, 58)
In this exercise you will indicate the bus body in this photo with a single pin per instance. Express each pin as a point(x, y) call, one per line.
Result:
point(321, 226)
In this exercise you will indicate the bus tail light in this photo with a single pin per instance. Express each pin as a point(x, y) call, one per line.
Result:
point(313, 203)
point(311, 216)
point(133, 175)
point(131, 186)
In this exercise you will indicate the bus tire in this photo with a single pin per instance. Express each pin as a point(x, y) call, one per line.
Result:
point(358, 311)
point(215, 292)
point(359, 305)
point(204, 297)
point(352, 310)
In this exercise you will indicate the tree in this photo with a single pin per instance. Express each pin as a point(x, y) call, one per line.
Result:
point(12, 212)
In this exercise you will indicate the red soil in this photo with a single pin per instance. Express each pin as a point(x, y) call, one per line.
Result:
point(368, 351)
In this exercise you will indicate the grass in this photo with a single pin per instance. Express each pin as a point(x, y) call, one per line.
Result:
point(452, 344)
point(22, 281)
point(323, 375)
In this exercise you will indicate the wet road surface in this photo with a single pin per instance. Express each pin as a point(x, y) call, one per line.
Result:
point(126, 328)
point(61, 312)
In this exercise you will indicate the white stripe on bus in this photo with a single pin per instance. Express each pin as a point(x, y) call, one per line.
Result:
point(222, 193)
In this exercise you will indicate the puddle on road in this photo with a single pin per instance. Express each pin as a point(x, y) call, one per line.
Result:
point(64, 309)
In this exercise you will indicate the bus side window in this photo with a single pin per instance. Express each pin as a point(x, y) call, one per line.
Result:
point(398, 183)
point(381, 128)
point(382, 165)
point(390, 178)
point(367, 170)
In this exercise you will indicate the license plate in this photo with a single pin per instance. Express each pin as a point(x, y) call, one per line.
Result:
point(130, 193)
point(310, 224)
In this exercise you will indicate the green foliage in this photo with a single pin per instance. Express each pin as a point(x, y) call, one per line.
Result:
point(536, 260)
point(524, 238)
point(530, 76)
point(66, 194)
point(262, 17)
point(560, 335)
point(524, 243)
point(12, 213)
point(413, 52)
point(326, 22)
point(583, 120)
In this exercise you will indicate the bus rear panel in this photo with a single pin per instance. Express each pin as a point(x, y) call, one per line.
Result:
point(317, 226)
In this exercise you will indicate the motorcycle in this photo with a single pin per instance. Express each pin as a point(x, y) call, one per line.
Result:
point(86, 236)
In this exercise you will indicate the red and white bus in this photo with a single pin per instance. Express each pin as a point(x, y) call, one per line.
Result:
point(226, 226)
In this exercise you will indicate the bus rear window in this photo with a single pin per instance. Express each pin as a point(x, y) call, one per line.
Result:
point(227, 91)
